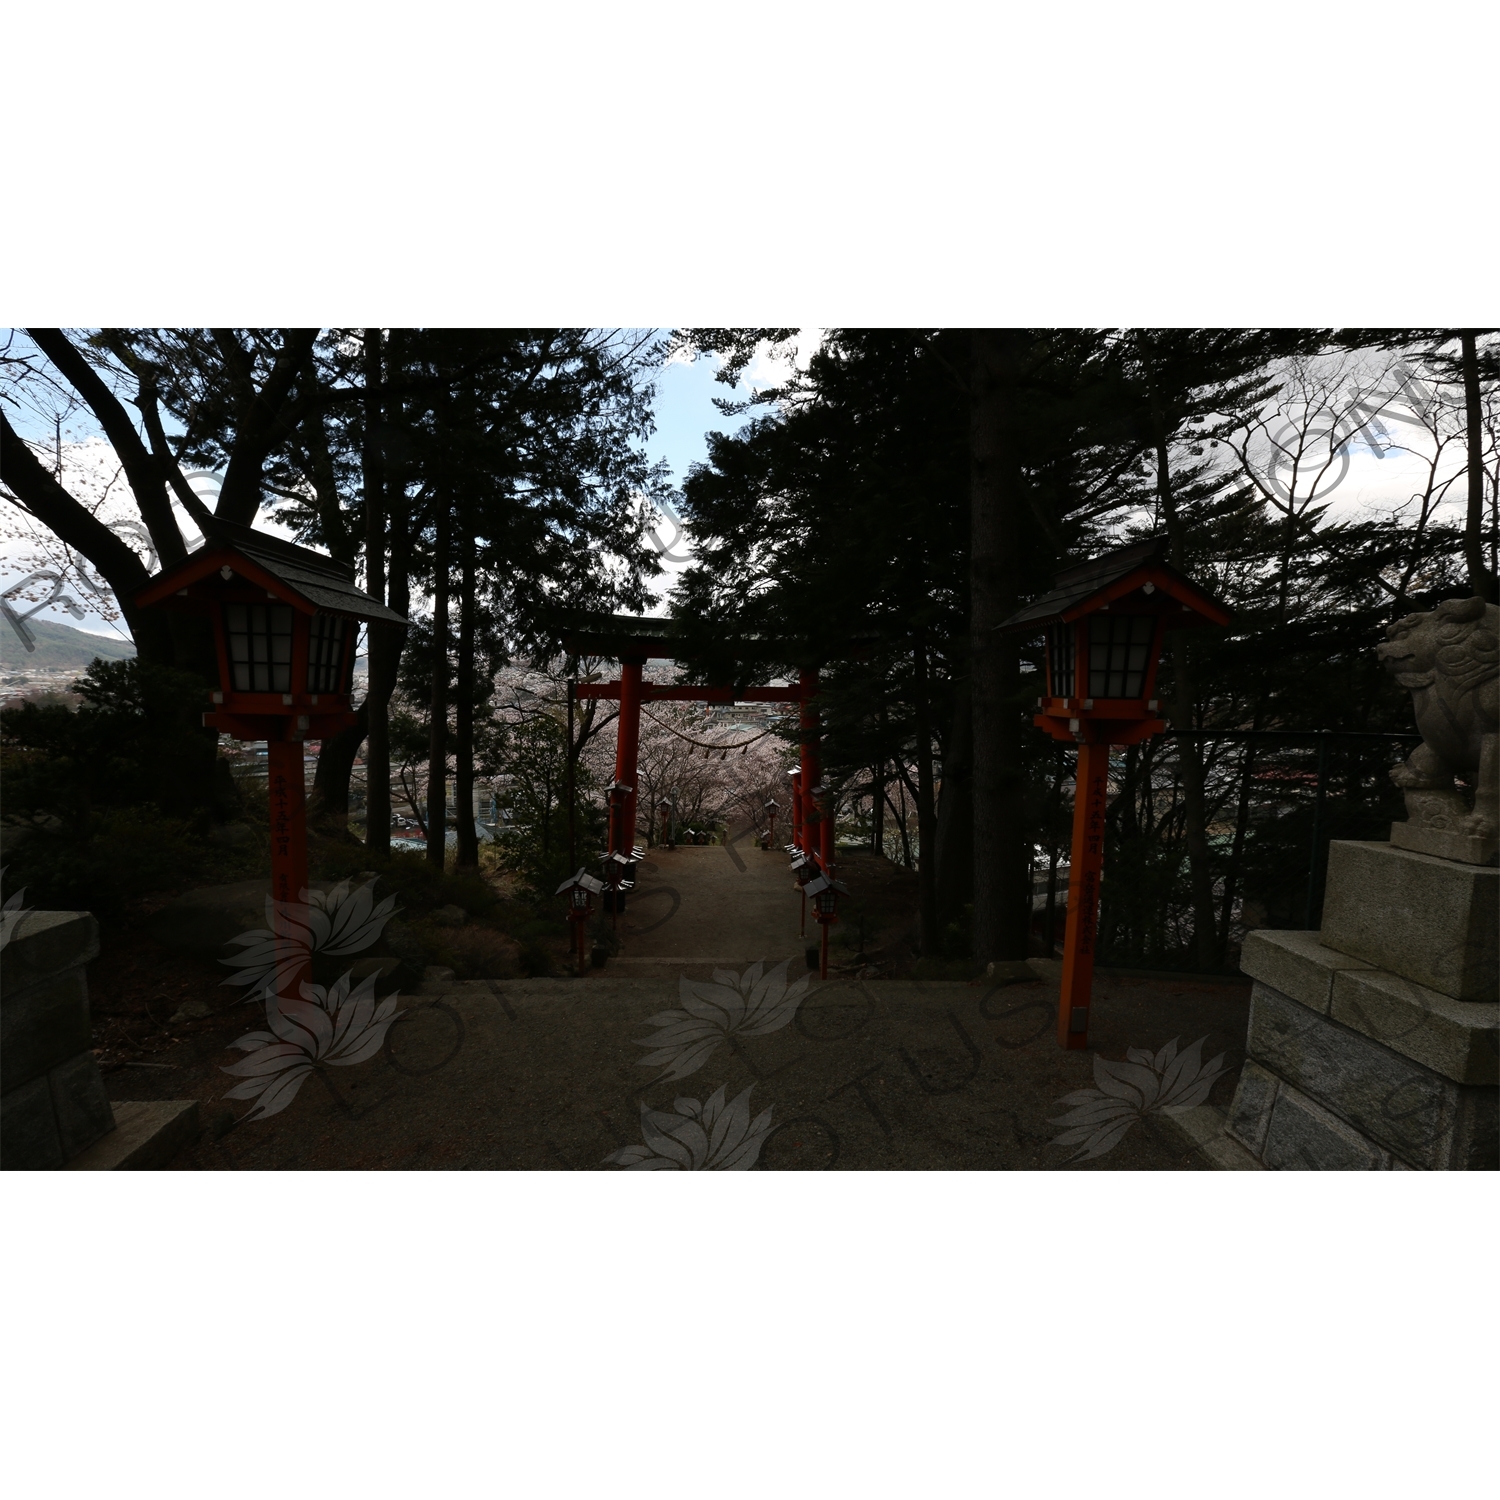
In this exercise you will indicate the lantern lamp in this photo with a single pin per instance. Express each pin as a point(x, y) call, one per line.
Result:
point(284, 621)
point(581, 888)
point(1105, 622)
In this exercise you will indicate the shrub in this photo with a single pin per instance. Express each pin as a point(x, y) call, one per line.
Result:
point(97, 861)
point(475, 952)
point(136, 740)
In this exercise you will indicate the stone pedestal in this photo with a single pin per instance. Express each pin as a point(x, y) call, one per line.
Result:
point(1446, 843)
point(1374, 1044)
point(1433, 921)
point(54, 1111)
point(52, 1099)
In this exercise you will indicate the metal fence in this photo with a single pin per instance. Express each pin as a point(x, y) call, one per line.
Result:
point(1273, 801)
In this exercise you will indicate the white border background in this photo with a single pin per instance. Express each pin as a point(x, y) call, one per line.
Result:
point(1034, 1335)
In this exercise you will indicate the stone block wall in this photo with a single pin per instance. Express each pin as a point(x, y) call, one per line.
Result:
point(1375, 1043)
point(53, 1102)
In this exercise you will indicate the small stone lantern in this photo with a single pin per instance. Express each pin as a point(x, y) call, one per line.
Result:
point(581, 889)
point(772, 807)
point(825, 891)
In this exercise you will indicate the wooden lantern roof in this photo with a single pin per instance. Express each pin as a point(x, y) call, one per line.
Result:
point(1112, 576)
point(308, 581)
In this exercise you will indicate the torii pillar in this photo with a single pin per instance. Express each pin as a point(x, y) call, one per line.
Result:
point(812, 840)
point(627, 754)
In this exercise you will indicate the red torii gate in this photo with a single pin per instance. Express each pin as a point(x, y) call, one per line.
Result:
point(632, 641)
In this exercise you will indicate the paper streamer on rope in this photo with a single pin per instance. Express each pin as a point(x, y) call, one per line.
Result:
point(706, 746)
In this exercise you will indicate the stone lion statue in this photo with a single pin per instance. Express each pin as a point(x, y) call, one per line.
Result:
point(1450, 659)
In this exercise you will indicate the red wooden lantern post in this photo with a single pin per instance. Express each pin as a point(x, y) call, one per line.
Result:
point(1106, 621)
point(284, 620)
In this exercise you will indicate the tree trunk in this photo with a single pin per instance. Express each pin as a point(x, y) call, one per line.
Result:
point(1189, 755)
point(926, 813)
point(336, 758)
point(1481, 580)
point(955, 811)
point(1231, 875)
point(996, 501)
point(336, 766)
point(383, 646)
point(877, 809)
point(41, 495)
point(142, 471)
point(437, 753)
point(463, 737)
point(900, 818)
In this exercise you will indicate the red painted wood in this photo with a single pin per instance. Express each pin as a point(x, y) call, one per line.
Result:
point(627, 752)
point(288, 794)
point(811, 771)
point(1086, 865)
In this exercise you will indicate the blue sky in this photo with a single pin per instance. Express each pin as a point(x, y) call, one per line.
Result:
point(685, 414)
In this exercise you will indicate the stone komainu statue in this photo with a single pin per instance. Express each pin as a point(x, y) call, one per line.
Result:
point(1450, 659)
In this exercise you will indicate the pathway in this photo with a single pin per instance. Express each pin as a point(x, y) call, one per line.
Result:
point(547, 1074)
point(700, 907)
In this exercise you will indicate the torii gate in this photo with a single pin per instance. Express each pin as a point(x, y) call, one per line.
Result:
point(633, 641)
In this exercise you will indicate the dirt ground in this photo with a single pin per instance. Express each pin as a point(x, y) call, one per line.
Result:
point(865, 1073)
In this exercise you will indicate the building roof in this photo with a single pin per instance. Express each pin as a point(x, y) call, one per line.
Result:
point(323, 582)
point(694, 642)
point(1114, 574)
point(595, 634)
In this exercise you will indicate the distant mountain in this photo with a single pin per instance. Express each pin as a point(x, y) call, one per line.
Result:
point(58, 648)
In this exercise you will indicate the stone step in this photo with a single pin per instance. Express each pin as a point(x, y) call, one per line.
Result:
point(147, 1135)
point(1203, 1127)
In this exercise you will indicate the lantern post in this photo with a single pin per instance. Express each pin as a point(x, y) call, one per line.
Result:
point(1106, 621)
point(284, 622)
point(581, 889)
point(825, 890)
